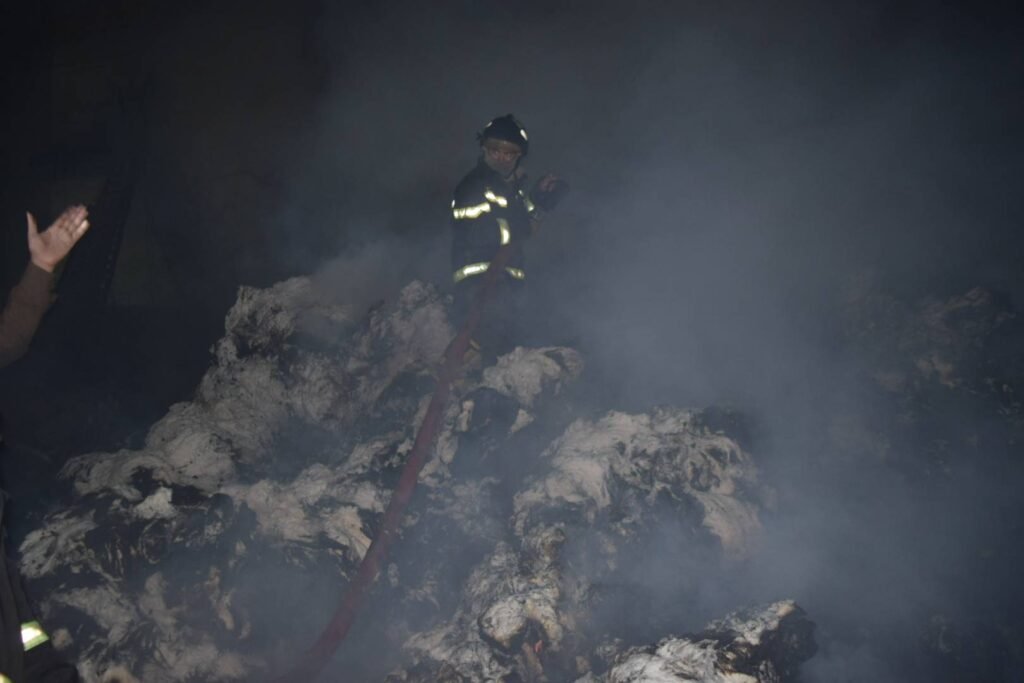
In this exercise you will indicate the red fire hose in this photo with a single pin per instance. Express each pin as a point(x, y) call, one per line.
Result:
point(335, 631)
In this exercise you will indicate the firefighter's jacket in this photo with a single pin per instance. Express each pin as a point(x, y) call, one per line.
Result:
point(488, 212)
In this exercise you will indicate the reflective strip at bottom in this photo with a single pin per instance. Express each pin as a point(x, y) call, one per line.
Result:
point(5, 679)
point(478, 268)
point(32, 635)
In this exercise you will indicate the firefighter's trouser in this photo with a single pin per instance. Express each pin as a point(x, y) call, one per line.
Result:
point(26, 653)
point(501, 323)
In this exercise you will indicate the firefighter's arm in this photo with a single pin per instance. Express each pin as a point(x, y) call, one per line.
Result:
point(544, 197)
point(535, 220)
point(548, 192)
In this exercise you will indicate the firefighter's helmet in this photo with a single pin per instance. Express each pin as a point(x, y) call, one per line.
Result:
point(506, 128)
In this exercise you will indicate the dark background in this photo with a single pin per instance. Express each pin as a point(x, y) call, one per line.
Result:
point(737, 163)
point(736, 168)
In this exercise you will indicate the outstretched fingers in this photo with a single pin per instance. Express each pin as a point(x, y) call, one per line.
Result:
point(50, 246)
point(80, 229)
point(33, 228)
point(71, 224)
point(71, 219)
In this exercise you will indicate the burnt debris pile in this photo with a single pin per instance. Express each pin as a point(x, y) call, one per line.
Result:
point(943, 421)
point(946, 372)
point(543, 543)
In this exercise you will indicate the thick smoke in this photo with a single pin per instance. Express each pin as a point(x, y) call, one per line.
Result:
point(734, 173)
point(735, 170)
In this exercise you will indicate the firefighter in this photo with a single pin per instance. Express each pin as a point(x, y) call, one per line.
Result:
point(492, 208)
point(26, 655)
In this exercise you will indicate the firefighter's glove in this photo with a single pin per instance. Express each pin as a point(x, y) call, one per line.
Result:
point(548, 192)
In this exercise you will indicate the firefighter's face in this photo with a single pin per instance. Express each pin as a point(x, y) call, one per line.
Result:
point(501, 155)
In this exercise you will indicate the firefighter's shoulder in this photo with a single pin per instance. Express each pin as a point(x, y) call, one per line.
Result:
point(470, 189)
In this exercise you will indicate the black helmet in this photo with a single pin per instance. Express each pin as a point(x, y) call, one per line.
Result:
point(506, 128)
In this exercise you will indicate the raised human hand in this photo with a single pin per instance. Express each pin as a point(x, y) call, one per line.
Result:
point(49, 247)
point(548, 182)
point(549, 191)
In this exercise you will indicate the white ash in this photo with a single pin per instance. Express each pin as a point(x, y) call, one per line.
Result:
point(112, 612)
point(182, 448)
point(675, 661)
point(524, 373)
point(318, 501)
point(158, 505)
point(751, 625)
point(60, 542)
point(523, 420)
point(719, 654)
point(665, 452)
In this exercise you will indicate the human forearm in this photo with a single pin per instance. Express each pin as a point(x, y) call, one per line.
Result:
point(25, 307)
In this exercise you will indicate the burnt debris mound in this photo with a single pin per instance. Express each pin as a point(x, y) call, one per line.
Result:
point(545, 541)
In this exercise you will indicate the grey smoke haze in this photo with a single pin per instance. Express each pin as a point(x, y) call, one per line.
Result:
point(733, 171)
point(734, 168)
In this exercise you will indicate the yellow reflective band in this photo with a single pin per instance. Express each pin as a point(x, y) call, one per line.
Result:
point(506, 234)
point(497, 199)
point(472, 269)
point(5, 679)
point(477, 268)
point(477, 209)
point(32, 634)
point(471, 211)
point(530, 206)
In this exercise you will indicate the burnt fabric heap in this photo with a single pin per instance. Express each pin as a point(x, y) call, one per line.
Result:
point(219, 549)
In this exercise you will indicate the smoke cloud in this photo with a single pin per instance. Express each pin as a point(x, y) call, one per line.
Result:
point(736, 170)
